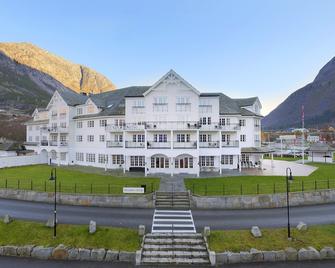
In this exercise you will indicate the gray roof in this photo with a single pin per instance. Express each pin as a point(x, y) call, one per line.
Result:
point(256, 150)
point(321, 147)
point(245, 102)
point(72, 98)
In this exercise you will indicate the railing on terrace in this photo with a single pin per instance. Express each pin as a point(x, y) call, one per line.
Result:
point(230, 144)
point(185, 145)
point(217, 189)
point(71, 188)
point(159, 145)
point(44, 143)
point(63, 143)
point(110, 144)
point(209, 144)
point(53, 143)
point(132, 144)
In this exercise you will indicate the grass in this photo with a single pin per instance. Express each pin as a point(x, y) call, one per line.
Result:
point(285, 158)
point(71, 180)
point(322, 178)
point(272, 239)
point(21, 233)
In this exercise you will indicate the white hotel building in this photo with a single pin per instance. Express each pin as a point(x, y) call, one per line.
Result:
point(169, 127)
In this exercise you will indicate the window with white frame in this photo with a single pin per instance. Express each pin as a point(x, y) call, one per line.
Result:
point(205, 106)
point(257, 123)
point(79, 138)
point(79, 124)
point(138, 137)
point(79, 111)
point(205, 137)
point(159, 162)
point(37, 138)
point(80, 157)
point(225, 138)
point(90, 138)
point(184, 162)
point(119, 122)
point(242, 122)
point(103, 158)
point(117, 159)
point(37, 127)
point(243, 138)
point(227, 159)
point(118, 137)
point(245, 158)
point(205, 121)
point(160, 104)
point(138, 106)
point(90, 123)
point(102, 138)
point(62, 124)
point(183, 104)
point(53, 155)
point(206, 161)
point(160, 137)
point(90, 158)
point(103, 122)
point(224, 121)
point(137, 161)
point(183, 137)
point(30, 138)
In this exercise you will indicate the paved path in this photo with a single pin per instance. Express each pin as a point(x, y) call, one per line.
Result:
point(217, 219)
point(173, 183)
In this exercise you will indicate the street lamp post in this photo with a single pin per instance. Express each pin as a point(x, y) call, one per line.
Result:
point(53, 177)
point(289, 178)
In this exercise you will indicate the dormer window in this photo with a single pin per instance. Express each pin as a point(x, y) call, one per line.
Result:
point(183, 104)
point(160, 104)
point(205, 106)
point(79, 111)
point(90, 109)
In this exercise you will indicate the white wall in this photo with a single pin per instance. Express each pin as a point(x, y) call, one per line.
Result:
point(15, 161)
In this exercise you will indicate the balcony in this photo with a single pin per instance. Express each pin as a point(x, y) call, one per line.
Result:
point(114, 144)
point(114, 128)
point(63, 143)
point(44, 143)
point(63, 129)
point(230, 144)
point(185, 145)
point(53, 143)
point(171, 125)
point(209, 144)
point(133, 144)
point(134, 126)
point(229, 128)
point(159, 145)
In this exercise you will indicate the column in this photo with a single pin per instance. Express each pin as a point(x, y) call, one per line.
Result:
point(171, 165)
point(58, 158)
point(220, 165)
point(145, 166)
point(171, 139)
point(124, 163)
point(272, 164)
point(239, 163)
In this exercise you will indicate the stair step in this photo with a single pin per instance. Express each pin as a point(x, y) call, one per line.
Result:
point(174, 260)
point(176, 254)
point(196, 235)
point(169, 241)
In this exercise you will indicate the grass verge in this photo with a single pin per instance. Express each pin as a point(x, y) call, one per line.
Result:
point(272, 239)
point(71, 180)
point(31, 233)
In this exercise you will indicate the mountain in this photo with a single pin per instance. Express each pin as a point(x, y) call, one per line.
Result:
point(29, 75)
point(318, 98)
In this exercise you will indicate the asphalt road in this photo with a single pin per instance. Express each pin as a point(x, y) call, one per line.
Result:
point(216, 219)
point(11, 262)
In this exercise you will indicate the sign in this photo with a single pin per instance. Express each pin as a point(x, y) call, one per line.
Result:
point(133, 190)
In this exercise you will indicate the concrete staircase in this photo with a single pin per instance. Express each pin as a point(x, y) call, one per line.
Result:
point(173, 249)
point(172, 200)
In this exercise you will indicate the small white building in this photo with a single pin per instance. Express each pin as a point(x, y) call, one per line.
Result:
point(321, 152)
point(313, 138)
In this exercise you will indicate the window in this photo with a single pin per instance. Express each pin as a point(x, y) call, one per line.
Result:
point(159, 162)
point(118, 137)
point(184, 162)
point(79, 124)
point(206, 161)
point(37, 127)
point(137, 161)
point(79, 111)
point(205, 106)
point(119, 122)
point(227, 159)
point(242, 138)
point(102, 138)
point(30, 138)
point(53, 155)
point(117, 159)
point(90, 123)
point(183, 137)
point(79, 138)
point(138, 106)
point(37, 138)
point(103, 158)
point(54, 113)
point(103, 122)
point(138, 138)
point(242, 122)
point(90, 158)
point(63, 124)
point(183, 104)
point(245, 158)
point(80, 157)
point(205, 137)
point(225, 138)
point(160, 137)
point(205, 121)
point(257, 123)
point(90, 138)
point(160, 104)
point(62, 156)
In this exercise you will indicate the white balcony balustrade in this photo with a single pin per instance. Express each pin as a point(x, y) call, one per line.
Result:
point(159, 145)
point(185, 145)
point(230, 144)
point(209, 144)
point(133, 144)
point(114, 144)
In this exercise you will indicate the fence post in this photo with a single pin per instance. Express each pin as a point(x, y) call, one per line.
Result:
point(45, 186)
point(152, 187)
point(91, 188)
point(75, 188)
point(59, 187)
point(241, 189)
point(274, 188)
point(109, 188)
point(31, 185)
point(257, 188)
point(328, 184)
point(206, 189)
point(302, 186)
point(193, 188)
point(18, 184)
point(6, 183)
point(315, 186)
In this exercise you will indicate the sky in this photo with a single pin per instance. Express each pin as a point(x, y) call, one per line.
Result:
point(264, 48)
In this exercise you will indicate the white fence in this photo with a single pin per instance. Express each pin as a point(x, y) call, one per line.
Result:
point(14, 161)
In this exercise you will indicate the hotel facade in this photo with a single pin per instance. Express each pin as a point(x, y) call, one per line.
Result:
point(169, 127)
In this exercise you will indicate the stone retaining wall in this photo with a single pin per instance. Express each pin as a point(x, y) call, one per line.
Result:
point(62, 252)
point(134, 201)
point(263, 200)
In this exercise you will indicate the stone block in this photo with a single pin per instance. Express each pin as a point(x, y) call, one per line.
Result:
point(9, 251)
point(256, 255)
point(92, 228)
point(112, 255)
point(138, 257)
point(84, 254)
point(7, 219)
point(60, 253)
point(302, 226)
point(125, 256)
point(291, 254)
point(73, 254)
point(280, 255)
point(222, 258)
point(327, 253)
point(25, 251)
point(245, 256)
point(234, 257)
point(212, 258)
point(41, 253)
point(269, 256)
point(141, 230)
point(207, 231)
point(308, 254)
point(255, 231)
point(98, 254)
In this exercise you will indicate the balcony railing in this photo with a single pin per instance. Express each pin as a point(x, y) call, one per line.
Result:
point(53, 143)
point(132, 144)
point(185, 145)
point(44, 143)
point(209, 144)
point(257, 127)
point(170, 125)
point(159, 145)
point(231, 127)
point(63, 143)
point(114, 128)
point(111, 144)
point(230, 144)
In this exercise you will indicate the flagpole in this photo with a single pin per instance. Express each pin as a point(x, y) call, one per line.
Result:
point(303, 133)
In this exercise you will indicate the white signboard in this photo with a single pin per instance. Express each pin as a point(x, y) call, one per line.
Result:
point(133, 190)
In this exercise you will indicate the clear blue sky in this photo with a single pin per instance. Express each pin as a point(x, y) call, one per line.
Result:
point(242, 48)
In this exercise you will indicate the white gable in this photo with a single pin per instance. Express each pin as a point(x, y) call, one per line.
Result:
point(171, 78)
point(56, 98)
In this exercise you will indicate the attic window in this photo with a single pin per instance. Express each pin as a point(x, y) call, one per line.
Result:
point(110, 105)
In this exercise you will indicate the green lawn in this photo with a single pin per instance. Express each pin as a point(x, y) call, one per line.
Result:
point(322, 178)
point(285, 158)
point(71, 180)
point(272, 239)
point(31, 233)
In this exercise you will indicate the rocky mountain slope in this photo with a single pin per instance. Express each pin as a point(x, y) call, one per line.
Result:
point(318, 99)
point(29, 75)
